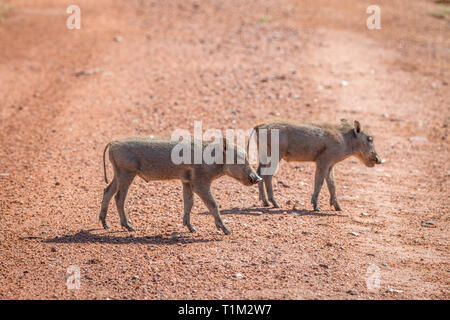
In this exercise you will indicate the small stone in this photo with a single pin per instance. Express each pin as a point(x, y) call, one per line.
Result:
point(384, 264)
point(53, 249)
point(418, 139)
point(135, 277)
point(353, 292)
point(87, 72)
point(356, 234)
point(118, 39)
point(94, 261)
point(283, 184)
point(344, 83)
point(394, 290)
point(365, 214)
point(297, 204)
point(238, 275)
point(428, 224)
point(36, 95)
point(4, 174)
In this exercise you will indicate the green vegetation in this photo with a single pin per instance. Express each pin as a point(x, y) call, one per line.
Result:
point(264, 19)
point(4, 8)
point(441, 13)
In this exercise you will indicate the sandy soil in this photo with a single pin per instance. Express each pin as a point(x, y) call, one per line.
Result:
point(228, 64)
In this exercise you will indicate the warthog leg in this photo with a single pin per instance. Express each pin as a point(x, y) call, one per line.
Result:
point(204, 192)
point(321, 171)
point(124, 179)
point(332, 189)
point(268, 182)
point(262, 191)
point(109, 191)
point(188, 196)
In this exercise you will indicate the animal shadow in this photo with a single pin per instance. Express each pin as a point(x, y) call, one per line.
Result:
point(265, 210)
point(86, 236)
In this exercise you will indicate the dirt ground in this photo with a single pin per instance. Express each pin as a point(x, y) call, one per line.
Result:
point(161, 65)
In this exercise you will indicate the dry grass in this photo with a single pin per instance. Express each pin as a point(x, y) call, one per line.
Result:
point(4, 9)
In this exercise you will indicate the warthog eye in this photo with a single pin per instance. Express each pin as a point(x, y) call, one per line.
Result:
point(370, 139)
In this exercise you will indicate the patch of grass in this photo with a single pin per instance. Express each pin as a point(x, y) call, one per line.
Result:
point(265, 19)
point(4, 8)
point(441, 13)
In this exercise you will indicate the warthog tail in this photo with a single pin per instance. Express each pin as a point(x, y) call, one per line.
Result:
point(104, 164)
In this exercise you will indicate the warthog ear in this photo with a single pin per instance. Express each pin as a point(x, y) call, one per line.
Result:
point(356, 127)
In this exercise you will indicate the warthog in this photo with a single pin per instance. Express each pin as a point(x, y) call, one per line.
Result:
point(151, 159)
point(325, 144)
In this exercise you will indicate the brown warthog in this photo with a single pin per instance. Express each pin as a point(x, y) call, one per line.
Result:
point(325, 144)
point(152, 159)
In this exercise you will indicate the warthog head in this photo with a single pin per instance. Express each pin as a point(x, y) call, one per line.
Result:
point(238, 166)
point(364, 147)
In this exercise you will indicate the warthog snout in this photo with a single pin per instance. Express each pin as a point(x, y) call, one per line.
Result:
point(254, 178)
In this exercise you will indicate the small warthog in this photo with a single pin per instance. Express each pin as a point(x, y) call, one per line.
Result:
point(151, 159)
point(325, 144)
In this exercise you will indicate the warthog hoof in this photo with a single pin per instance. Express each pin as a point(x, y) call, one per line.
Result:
point(266, 204)
point(188, 224)
point(191, 228)
point(335, 204)
point(128, 226)
point(221, 226)
point(226, 230)
point(275, 204)
point(104, 224)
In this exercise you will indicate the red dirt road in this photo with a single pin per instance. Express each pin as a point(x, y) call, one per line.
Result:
point(228, 64)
